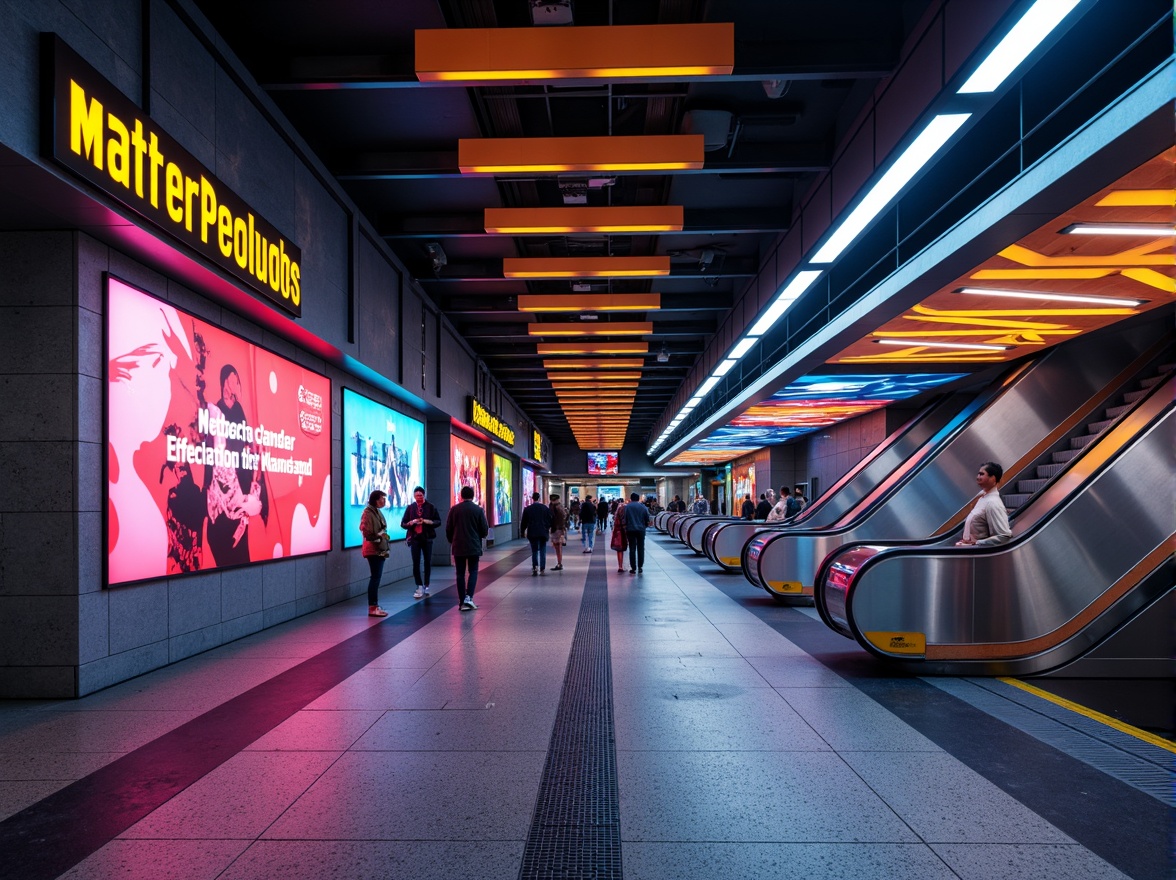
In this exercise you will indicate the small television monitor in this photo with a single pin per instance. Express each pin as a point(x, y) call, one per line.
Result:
point(603, 464)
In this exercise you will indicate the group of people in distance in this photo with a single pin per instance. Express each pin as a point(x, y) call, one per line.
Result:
point(466, 527)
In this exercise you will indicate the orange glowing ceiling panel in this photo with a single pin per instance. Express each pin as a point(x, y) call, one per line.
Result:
point(606, 364)
point(553, 221)
point(1046, 288)
point(660, 152)
point(477, 55)
point(548, 348)
point(590, 302)
point(591, 328)
point(592, 377)
point(585, 267)
point(589, 387)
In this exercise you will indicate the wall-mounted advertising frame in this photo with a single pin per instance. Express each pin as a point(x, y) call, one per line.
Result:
point(503, 490)
point(467, 467)
point(218, 450)
point(382, 449)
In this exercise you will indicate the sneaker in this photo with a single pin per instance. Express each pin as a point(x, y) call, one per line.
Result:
point(640, 570)
point(469, 605)
point(542, 572)
point(534, 571)
point(376, 611)
point(418, 594)
point(426, 592)
point(619, 569)
point(586, 550)
point(632, 571)
point(558, 567)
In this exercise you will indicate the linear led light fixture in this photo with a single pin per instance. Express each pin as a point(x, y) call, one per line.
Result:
point(585, 267)
point(1035, 25)
point(594, 302)
point(910, 343)
point(921, 150)
point(613, 328)
point(1059, 297)
point(617, 363)
point(791, 292)
point(593, 377)
point(475, 55)
point(1150, 230)
point(724, 368)
point(551, 155)
point(558, 221)
point(706, 386)
point(743, 346)
point(547, 348)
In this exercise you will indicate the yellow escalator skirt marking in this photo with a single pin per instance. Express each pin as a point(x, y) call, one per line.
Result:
point(1157, 741)
point(899, 642)
point(786, 586)
point(729, 560)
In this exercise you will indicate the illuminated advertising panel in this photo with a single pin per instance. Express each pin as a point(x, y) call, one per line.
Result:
point(528, 485)
point(382, 449)
point(742, 484)
point(603, 464)
point(503, 490)
point(467, 468)
point(218, 451)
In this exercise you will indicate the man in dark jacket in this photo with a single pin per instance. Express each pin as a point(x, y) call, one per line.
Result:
point(536, 528)
point(748, 511)
point(420, 521)
point(465, 528)
point(636, 522)
point(601, 515)
point(588, 523)
point(763, 508)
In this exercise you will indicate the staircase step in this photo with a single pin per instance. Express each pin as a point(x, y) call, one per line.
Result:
point(1166, 368)
point(1065, 456)
point(1012, 502)
point(1083, 441)
point(1134, 396)
point(1049, 471)
point(1113, 412)
point(1099, 427)
point(1030, 487)
point(1152, 382)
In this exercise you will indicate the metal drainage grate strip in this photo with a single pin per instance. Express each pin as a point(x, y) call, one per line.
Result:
point(576, 828)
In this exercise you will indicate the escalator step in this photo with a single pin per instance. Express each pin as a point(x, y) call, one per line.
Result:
point(1029, 487)
point(1048, 471)
point(1152, 382)
point(1134, 396)
point(1066, 456)
point(1113, 412)
point(1012, 502)
point(1083, 441)
point(1099, 427)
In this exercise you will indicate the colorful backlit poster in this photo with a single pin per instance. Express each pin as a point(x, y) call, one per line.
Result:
point(742, 485)
point(382, 449)
point(467, 468)
point(603, 464)
point(218, 451)
point(528, 485)
point(503, 490)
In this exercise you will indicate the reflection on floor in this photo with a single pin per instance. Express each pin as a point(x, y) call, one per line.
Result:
point(748, 742)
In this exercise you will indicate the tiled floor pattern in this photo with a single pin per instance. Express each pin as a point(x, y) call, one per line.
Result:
point(739, 755)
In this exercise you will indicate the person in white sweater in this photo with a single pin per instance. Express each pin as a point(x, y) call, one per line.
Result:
point(988, 523)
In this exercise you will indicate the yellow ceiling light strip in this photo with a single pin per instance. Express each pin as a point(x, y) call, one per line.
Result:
point(585, 267)
point(610, 363)
point(593, 302)
point(1039, 274)
point(1137, 256)
point(584, 328)
point(1138, 198)
point(560, 221)
point(549, 348)
point(474, 55)
point(592, 377)
point(657, 152)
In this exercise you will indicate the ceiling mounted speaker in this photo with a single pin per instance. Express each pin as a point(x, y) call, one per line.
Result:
point(713, 125)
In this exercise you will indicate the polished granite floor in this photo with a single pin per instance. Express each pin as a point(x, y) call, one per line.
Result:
point(747, 740)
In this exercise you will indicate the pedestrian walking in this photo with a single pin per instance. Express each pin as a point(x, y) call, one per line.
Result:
point(465, 527)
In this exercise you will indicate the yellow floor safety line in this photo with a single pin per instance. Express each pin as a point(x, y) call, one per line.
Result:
point(1151, 738)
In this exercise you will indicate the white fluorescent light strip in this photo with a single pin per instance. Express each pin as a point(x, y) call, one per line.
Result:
point(1026, 35)
point(743, 346)
point(706, 386)
point(695, 400)
point(1120, 229)
point(938, 131)
point(724, 368)
point(792, 290)
point(1060, 297)
point(979, 346)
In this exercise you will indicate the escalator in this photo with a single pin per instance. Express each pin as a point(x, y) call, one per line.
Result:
point(1067, 387)
point(1090, 553)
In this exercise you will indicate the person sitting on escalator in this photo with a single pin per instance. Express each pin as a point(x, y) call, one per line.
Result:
point(988, 523)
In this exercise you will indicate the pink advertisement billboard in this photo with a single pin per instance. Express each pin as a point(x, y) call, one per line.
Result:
point(218, 451)
point(468, 469)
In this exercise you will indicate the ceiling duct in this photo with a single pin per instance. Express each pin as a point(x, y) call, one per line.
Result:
point(713, 125)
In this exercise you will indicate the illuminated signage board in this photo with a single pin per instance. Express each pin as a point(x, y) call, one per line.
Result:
point(383, 450)
point(218, 451)
point(468, 468)
point(536, 446)
point(503, 490)
point(101, 136)
point(481, 417)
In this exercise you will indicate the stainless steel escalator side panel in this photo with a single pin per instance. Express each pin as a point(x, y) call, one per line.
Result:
point(1009, 602)
point(700, 537)
point(692, 535)
point(1007, 430)
point(727, 541)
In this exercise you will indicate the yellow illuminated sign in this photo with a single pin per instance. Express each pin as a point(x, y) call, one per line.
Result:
point(482, 418)
point(101, 136)
point(913, 643)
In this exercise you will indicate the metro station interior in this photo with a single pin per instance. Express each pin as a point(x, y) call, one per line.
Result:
point(271, 271)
